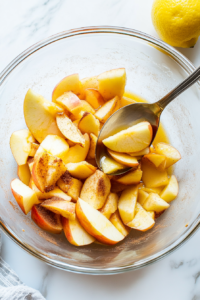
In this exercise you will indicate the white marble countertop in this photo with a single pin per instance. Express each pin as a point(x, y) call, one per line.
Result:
point(22, 23)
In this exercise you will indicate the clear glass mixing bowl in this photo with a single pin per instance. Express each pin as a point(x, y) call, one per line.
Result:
point(153, 68)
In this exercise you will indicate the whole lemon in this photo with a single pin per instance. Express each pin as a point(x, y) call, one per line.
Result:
point(177, 22)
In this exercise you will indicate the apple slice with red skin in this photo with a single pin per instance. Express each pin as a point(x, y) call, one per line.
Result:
point(60, 206)
point(46, 219)
point(97, 224)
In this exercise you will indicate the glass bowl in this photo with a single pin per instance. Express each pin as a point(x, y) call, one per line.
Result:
point(153, 69)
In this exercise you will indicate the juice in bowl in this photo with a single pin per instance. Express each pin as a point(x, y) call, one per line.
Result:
point(59, 181)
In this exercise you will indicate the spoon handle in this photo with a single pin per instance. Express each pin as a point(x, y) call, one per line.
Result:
point(184, 85)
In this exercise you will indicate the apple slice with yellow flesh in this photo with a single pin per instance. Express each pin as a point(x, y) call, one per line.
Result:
point(151, 176)
point(54, 145)
point(124, 159)
point(60, 206)
point(78, 153)
point(70, 185)
point(109, 165)
point(39, 115)
point(156, 190)
point(97, 224)
point(81, 170)
point(170, 192)
point(24, 195)
point(96, 189)
point(46, 219)
point(131, 177)
point(24, 173)
point(110, 205)
point(93, 142)
point(89, 124)
point(133, 139)
point(112, 83)
point(34, 148)
point(156, 159)
point(140, 153)
point(56, 192)
point(20, 144)
point(30, 163)
point(142, 220)
point(127, 203)
point(69, 83)
point(47, 169)
point(75, 233)
point(126, 101)
point(155, 203)
point(69, 130)
point(88, 83)
point(94, 98)
point(117, 222)
point(142, 196)
point(172, 155)
point(105, 111)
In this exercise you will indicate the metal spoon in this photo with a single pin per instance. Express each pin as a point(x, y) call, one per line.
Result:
point(132, 114)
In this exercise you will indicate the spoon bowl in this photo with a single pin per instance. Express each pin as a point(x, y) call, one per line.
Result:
point(135, 113)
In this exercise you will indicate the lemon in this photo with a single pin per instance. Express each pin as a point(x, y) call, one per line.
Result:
point(177, 22)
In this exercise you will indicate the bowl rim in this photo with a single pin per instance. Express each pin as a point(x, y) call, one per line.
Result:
point(160, 45)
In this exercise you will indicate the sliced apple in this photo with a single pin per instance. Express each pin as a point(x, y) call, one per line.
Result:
point(156, 159)
point(24, 173)
point(77, 153)
point(69, 101)
point(172, 155)
point(60, 206)
point(69, 130)
point(124, 159)
point(155, 203)
point(117, 222)
point(142, 196)
point(110, 205)
point(112, 83)
point(93, 142)
point(140, 153)
point(135, 138)
point(69, 83)
point(156, 190)
point(56, 192)
point(88, 83)
point(34, 147)
point(109, 165)
point(81, 170)
point(24, 196)
point(47, 169)
point(94, 98)
point(39, 115)
point(96, 189)
point(127, 203)
point(151, 176)
point(46, 219)
point(54, 145)
point(20, 144)
point(132, 177)
point(70, 185)
point(126, 101)
point(75, 233)
point(105, 111)
point(142, 220)
point(170, 192)
point(89, 124)
point(97, 224)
